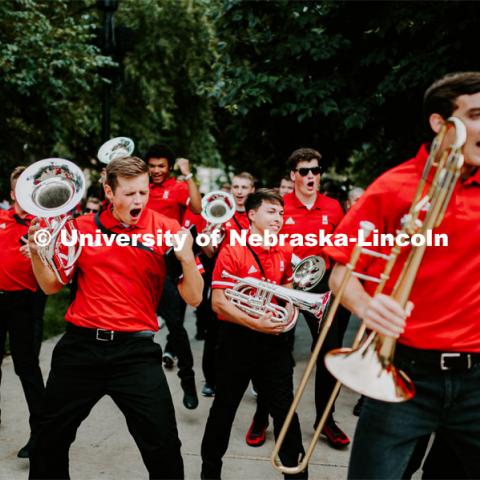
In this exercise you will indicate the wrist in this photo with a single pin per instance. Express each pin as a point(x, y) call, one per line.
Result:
point(188, 177)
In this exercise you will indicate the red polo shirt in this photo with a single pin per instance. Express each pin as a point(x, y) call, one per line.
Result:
point(238, 222)
point(15, 269)
point(238, 260)
point(325, 215)
point(446, 292)
point(119, 287)
point(190, 218)
point(169, 198)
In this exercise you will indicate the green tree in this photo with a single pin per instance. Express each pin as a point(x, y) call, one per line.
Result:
point(344, 77)
point(48, 73)
point(168, 58)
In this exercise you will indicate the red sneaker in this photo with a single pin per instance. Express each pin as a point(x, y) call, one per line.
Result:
point(336, 437)
point(256, 435)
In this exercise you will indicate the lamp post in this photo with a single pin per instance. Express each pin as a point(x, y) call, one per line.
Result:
point(108, 7)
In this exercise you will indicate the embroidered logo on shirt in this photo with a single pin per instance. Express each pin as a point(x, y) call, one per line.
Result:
point(3, 225)
point(252, 269)
point(324, 219)
point(289, 221)
point(165, 194)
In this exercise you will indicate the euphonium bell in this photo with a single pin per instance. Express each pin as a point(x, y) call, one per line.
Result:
point(308, 273)
point(218, 207)
point(49, 189)
point(115, 148)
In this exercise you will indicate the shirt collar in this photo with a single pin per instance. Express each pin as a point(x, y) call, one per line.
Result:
point(168, 182)
point(110, 222)
point(27, 218)
point(299, 204)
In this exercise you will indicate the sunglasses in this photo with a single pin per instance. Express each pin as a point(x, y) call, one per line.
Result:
point(91, 210)
point(304, 171)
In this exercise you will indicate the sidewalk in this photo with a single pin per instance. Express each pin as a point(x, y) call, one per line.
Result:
point(104, 448)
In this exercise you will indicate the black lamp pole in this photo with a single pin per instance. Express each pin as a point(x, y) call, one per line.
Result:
point(108, 7)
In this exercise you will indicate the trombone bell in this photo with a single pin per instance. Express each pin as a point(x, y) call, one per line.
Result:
point(362, 371)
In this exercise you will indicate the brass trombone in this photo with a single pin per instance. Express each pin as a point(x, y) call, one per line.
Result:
point(369, 369)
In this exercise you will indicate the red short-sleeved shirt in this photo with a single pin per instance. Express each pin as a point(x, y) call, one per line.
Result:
point(119, 287)
point(190, 218)
point(239, 261)
point(169, 198)
point(446, 292)
point(15, 269)
point(325, 215)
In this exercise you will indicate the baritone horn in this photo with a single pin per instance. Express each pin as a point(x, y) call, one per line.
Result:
point(256, 298)
point(115, 148)
point(369, 369)
point(50, 189)
point(308, 273)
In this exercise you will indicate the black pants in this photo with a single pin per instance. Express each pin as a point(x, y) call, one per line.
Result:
point(172, 309)
point(271, 367)
point(324, 381)
point(21, 314)
point(130, 371)
point(204, 311)
point(211, 328)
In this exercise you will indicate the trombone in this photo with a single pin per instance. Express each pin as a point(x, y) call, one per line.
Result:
point(369, 369)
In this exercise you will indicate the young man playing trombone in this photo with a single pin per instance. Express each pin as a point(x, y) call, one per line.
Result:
point(438, 332)
point(272, 365)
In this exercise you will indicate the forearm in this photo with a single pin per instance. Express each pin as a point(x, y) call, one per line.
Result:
point(191, 287)
point(224, 308)
point(45, 277)
point(195, 197)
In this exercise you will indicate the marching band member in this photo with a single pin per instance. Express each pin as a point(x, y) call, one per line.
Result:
point(108, 348)
point(171, 197)
point(307, 211)
point(243, 184)
point(286, 186)
point(438, 333)
point(272, 365)
point(20, 313)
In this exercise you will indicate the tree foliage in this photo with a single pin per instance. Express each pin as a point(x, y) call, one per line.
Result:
point(239, 82)
point(344, 77)
point(48, 73)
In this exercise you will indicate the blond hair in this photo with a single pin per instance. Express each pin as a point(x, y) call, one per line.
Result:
point(126, 167)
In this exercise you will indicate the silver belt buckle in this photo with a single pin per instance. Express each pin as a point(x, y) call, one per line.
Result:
point(101, 331)
point(443, 356)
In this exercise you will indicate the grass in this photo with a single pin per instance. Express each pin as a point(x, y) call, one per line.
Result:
point(53, 320)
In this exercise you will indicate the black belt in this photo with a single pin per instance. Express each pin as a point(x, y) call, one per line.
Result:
point(457, 361)
point(107, 335)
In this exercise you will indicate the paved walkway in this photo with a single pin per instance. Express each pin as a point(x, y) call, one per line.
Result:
point(105, 450)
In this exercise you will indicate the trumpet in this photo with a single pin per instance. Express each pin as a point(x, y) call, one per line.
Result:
point(256, 298)
point(369, 369)
point(115, 148)
point(49, 189)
